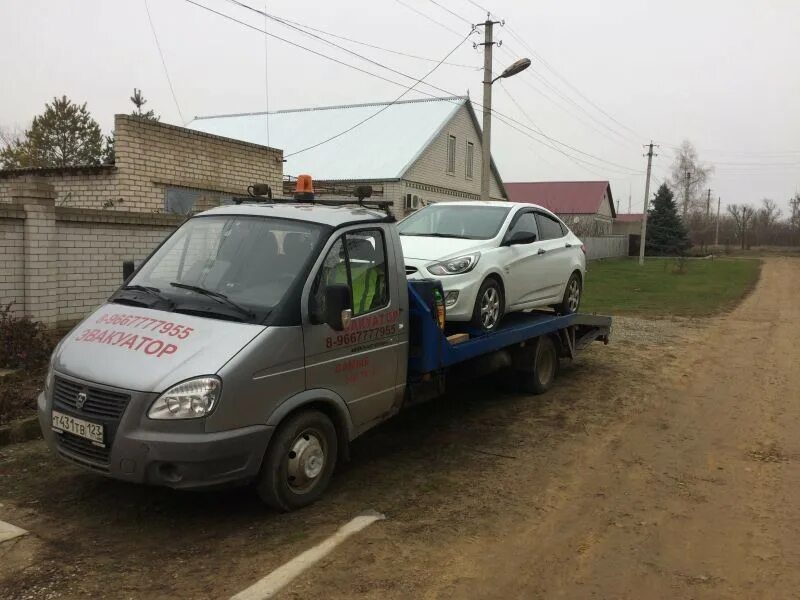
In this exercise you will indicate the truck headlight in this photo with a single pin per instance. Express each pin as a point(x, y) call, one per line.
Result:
point(455, 266)
point(190, 399)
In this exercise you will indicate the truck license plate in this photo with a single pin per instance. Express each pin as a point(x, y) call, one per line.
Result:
point(79, 427)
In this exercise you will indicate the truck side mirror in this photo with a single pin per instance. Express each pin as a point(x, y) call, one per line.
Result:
point(127, 270)
point(338, 308)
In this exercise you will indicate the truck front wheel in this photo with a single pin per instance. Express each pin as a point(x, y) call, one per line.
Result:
point(299, 461)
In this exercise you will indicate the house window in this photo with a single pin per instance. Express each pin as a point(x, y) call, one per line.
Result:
point(470, 158)
point(451, 154)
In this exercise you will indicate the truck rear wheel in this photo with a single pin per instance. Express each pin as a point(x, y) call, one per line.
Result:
point(299, 461)
point(538, 378)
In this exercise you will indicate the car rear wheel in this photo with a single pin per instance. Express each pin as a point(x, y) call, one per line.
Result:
point(299, 462)
point(489, 306)
point(572, 296)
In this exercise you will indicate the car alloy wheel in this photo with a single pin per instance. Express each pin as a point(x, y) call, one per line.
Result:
point(490, 307)
point(573, 295)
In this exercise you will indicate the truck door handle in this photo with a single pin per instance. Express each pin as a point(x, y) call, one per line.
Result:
point(541, 251)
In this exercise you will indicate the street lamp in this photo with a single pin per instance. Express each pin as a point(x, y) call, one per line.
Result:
point(511, 70)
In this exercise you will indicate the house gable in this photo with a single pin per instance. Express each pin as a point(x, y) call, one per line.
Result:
point(430, 167)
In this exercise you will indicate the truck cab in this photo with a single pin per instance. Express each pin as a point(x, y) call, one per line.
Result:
point(252, 345)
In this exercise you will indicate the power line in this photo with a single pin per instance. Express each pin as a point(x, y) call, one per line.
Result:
point(429, 18)
point(163, 62)
point(266, 74)
point(449, 93)
point(339, 46)
point(456, 15)
point(564, 79)
point(373, 46)
point(383, 108)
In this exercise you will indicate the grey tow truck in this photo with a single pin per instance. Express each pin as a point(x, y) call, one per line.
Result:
point(258, 340)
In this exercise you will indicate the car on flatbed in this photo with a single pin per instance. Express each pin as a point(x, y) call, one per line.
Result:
point(258, 340)
point(495, 258)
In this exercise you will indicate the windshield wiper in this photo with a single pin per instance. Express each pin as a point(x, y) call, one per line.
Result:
point(216, 295)
point(153, 291)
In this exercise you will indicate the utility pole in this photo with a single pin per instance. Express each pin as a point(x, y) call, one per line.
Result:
point(516, 67)
point(643, 239)
point(686, 194)
point(617, 206)
point(486, 171)
point(716, 236)
point(708, 203)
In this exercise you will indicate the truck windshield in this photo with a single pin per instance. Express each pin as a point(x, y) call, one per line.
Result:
point(455, 221)
point(234, 267)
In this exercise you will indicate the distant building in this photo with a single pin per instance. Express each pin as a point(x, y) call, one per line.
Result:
point(412, 152)
point(628, 224)
point(159, 168)
point(586, 206)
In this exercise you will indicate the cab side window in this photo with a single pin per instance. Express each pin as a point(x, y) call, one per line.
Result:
point(525, 223)
point(549, 228)
point(358, 260)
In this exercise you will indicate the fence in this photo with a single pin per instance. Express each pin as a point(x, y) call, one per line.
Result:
point(57, 264)
point(607, 246)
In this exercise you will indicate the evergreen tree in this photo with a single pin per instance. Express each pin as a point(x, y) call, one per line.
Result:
point(138, 101)
point(64, 135)
point(666, 233)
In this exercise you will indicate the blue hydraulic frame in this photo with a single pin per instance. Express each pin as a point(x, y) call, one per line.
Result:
point(430, 351)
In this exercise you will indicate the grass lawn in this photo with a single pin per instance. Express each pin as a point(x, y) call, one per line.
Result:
point(621, 286)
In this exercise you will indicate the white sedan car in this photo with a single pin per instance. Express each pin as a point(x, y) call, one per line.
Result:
point(495, 258)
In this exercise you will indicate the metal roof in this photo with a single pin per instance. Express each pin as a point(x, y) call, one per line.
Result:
point(315, 213)
point(563, 197)
point(382, 148)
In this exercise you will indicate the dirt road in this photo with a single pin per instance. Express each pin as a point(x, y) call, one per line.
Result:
point(662, 466)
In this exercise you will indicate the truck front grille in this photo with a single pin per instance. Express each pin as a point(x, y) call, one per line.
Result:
point(83, 451)
point(99, 403)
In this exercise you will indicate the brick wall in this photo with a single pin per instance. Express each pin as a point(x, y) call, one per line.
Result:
point(12, 280)
point(152, 156)
point(59, 263)
point(91, 246)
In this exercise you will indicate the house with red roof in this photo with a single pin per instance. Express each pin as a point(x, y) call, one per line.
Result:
point(586, 206)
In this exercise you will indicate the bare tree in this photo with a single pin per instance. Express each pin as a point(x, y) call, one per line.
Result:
point(766, 222)
point(9, 135)
point(687, 167)
point(743, 216)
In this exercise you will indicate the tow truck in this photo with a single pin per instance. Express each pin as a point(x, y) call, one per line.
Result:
point(260, 339)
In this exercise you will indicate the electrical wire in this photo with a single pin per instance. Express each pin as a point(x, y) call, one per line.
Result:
point(163, 62)
point(508, 120)
point(266, 74)
point(455, 14)
point(373, 46)
point(429, 18)
point(564, 79)
point(383, 108)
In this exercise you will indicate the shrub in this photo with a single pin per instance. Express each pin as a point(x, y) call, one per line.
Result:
point(23, 343)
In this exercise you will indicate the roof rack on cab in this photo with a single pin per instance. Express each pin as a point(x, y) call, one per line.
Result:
point(304, 194)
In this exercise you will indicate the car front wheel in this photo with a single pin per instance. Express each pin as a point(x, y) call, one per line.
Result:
point(572, 296)
point(489, 306)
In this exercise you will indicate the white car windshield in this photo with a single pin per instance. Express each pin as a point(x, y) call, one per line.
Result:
point(455, 221)
point(237, 267)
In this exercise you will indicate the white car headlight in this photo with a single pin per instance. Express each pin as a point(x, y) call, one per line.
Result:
point(455, 266)
point(188, 400)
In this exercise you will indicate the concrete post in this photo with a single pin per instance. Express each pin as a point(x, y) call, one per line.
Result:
point(40, 244)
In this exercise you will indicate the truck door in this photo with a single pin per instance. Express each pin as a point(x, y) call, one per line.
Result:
point(360, 363)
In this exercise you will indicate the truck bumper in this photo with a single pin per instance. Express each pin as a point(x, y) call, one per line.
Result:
point(181, 460)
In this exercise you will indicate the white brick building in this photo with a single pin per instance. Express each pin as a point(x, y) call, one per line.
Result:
point(412, 152)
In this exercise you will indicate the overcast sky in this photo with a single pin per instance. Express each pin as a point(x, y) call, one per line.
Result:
point(724, 75)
